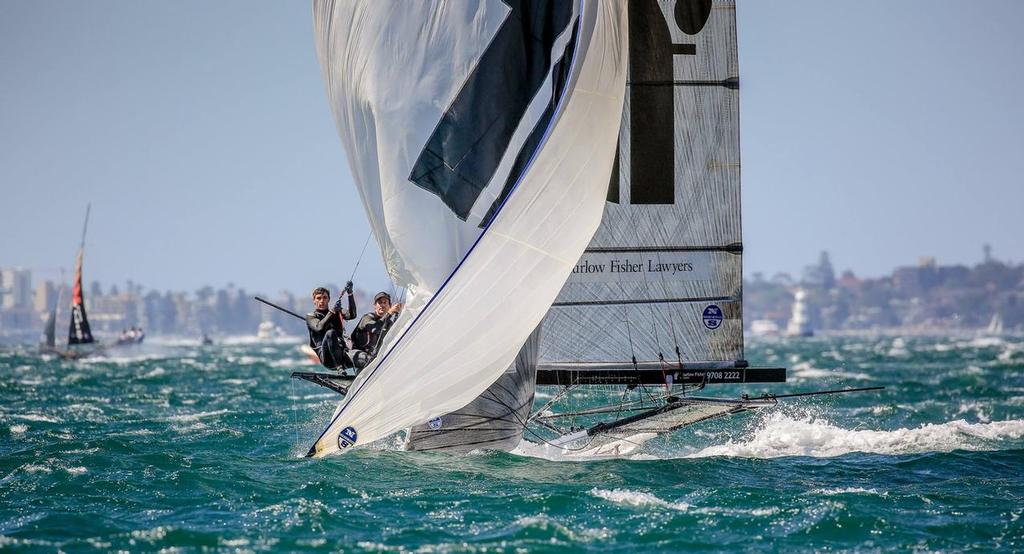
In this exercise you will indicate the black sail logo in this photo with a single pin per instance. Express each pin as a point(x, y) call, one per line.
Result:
point(464, 151)
point(651, 97)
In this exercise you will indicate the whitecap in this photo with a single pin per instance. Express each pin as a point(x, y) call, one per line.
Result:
point(637, 498)
point(781, 436)
point(38, 417)
point(156, 372)
point(851, 490)
point(195, 416)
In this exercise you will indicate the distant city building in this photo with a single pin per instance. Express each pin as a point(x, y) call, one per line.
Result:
point(16, 287)
point(46, 296)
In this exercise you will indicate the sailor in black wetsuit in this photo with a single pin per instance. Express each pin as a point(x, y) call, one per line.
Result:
point(327, 330)
point(369, 332)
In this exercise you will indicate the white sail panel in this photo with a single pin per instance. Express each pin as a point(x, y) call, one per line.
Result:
point(482, 277)
point(495, 420)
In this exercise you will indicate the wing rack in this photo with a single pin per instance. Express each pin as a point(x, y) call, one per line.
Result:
point(590, 375)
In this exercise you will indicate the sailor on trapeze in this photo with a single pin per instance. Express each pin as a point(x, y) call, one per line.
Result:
point(327, 328)
point(370, 330)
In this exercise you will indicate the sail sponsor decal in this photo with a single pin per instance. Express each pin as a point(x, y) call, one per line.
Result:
point(607, 267)
point(435, 423)
point(347, 437)
point(712, 317)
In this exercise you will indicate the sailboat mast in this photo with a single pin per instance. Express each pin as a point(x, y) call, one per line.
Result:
point(79, 331)
point(85, 227)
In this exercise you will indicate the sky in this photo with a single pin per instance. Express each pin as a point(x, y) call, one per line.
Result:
point(200, 132)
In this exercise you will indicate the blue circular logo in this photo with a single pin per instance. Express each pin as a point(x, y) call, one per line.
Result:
point(713, 317)
point(347, 437)
point(435, 423)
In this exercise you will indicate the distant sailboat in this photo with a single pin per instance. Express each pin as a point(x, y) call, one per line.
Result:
point(81, 342)
point(995, 325)
point(49, 343)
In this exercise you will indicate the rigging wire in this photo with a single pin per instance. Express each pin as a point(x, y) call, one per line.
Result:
point(632, 352)
point(360, 258)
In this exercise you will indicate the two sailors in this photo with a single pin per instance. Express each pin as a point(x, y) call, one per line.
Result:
point(326, 326)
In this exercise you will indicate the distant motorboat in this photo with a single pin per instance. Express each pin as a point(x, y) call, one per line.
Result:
point(764, 328)
point(268, 331)
point(130, 337)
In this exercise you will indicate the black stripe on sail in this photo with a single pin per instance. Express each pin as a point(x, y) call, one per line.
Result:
point(560, 78)
point(651, 109)
point(462, 154)
point(79, 331)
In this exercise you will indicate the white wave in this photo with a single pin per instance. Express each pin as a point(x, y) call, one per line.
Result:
point(38, 417)
point(18, 429)
point(781, 436)
point(574, 534)
point(78, 470)
point(156, 372)
point(851, 490)
point(977, 408)
point(985, 342)
point(637, 498)
point(245, 360)
point(290, 362)
point(253, 339)
point(805, 371)
point(195, 416)
point(1008, 353)
point(642, 499)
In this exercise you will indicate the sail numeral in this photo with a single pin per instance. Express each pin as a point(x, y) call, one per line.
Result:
point(651, 99)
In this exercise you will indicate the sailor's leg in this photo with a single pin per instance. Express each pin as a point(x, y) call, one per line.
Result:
point(332, 351)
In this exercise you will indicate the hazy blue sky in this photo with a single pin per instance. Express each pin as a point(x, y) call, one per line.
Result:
point(879, 130)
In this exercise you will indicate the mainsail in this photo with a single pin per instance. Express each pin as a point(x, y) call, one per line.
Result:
point(481, 136)
point(662, 277)
point(50, 330)
point(79, 331)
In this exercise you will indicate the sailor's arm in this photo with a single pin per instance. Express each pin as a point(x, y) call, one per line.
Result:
point(350, 313)
point(318, 325)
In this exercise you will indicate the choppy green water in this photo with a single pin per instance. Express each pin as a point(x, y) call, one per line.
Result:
point(199, 448)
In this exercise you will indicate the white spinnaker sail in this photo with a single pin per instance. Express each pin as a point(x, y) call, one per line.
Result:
point(481, 136)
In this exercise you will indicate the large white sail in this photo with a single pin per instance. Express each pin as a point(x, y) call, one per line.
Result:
point(481, 136)
point(664, 268)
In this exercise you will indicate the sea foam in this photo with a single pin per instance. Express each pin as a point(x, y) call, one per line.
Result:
point(781, 435)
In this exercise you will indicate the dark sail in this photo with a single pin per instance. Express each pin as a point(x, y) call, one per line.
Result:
point(79, 331)
point(50, 331)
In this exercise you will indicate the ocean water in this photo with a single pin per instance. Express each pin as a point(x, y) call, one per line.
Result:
point(180, 447)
